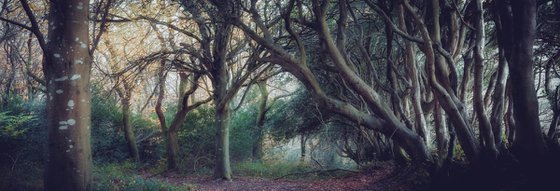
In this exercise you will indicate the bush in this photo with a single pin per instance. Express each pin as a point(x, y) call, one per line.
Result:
point(22, 130)
point(243, 133)
point(108, 142)
point(197, 140)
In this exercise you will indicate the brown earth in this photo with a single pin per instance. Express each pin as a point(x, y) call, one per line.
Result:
point(374, 179)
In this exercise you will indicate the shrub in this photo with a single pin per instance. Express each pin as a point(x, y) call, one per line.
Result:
point(124, 177)
point(22, 130)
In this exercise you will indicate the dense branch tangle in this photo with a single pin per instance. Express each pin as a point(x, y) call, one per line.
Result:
point(335, 26)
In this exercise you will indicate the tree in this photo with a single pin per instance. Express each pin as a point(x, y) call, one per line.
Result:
point(229, 60)
point(518, 20)
point(67, 65)
point(66, 68)
point(124, 87)
point(297, 66)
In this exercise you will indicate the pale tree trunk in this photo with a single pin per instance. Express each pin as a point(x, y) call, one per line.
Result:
point(442, 135)
point(552, 95)
point(385, 121)
point(223, 167)
point(222, 102)
point(171, 156)
point(396, 101)
point(439, 78)
point(509, 120)
point(172, 144)
point(124, 90)
point(259, 129)
point(66, 67)
point(484, 125)
point(182, 110)
point(498, 100)
point(10, 58)
point(127, 123)
point(412, 71)
point(411, 141)
point(499, 96)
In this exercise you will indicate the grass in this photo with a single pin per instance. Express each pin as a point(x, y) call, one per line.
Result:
point(125, 177)
point(272, 169)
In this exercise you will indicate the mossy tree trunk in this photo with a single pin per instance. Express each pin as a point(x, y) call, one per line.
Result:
point(259, 128)
point(126, 95)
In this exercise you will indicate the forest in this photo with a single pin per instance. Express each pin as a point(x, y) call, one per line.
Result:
point(279, 95)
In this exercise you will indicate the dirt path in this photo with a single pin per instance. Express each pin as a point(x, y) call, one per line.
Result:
point(374, 180)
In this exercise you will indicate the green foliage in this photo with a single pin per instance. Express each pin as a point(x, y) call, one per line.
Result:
point(125, 177)
point(243, 133)
point(197, 139)
point(11, 125)
point(296, 116)
point(269, 169)
point(23, 135)
point(108, 142)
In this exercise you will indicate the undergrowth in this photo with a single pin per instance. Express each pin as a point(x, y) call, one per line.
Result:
point(269, 169)
point(291, 170)
point(125, 177)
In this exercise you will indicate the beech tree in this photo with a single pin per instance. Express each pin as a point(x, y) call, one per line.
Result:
point(67, 65)
point(66, 69)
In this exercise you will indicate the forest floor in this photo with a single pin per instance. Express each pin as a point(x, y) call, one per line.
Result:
point(379, 178)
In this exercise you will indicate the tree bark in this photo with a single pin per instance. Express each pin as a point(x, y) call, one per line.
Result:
point(222, 101)
point(223, 167)
point(412, 71)
point(259, 129)
point(498, 100)
point(66, 67)
point(171, 154)
point(437, 70)
point(127, 124)
point(303, 151)
point(509, 120)
point(484, 125)
point(529, 142)
point(442, 134)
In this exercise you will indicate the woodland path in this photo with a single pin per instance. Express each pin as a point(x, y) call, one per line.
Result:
point(375, 179)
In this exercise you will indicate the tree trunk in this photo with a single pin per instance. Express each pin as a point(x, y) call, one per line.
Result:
point(529, 141)
point(171, 157)
point(127, 126)
point(172, 145)
point(551, 135)
point(259, 129)
point(11, 77)
point(442, 134)
point(303, 153)
point(220, 83)
point(66, 67)
point(509, 119)
point(441, 85)
point(223, 168)
point(498, 100)
point(484, 125)
point(412, 71)
point(409, 140)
